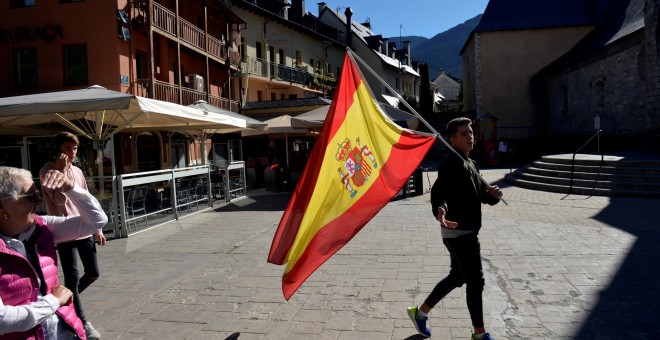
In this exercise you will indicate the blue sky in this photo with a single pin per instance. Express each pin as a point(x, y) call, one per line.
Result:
point(424, 18)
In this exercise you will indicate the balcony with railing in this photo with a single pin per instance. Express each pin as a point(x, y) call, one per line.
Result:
point(264, 68)
point(167, 23)
point(170, 93)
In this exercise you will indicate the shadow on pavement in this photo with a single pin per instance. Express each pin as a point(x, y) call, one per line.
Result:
point(259, 200)
point(415, 337)
point(629, 308)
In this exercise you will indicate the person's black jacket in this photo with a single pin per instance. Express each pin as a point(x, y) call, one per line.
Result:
point(460, 192)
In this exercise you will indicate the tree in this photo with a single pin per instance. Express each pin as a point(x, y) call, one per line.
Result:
point(410, 99)
point(425, 95)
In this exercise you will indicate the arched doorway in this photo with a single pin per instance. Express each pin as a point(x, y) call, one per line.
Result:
point(148, 151)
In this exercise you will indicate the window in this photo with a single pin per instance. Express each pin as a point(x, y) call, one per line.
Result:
point(282, 56)
point(243, 52)
point(21, 3)
point(25, 67)
point(141, 65)
point(599, 97)
point(74, 64)
point(258, 48)
point(563, 90)
point(273, 96)
point(260, 96)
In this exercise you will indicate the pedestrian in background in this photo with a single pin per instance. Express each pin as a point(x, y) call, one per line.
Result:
point(456, 199)
point(58, 204)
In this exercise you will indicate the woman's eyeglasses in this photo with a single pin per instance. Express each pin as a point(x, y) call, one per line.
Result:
point(34, 197)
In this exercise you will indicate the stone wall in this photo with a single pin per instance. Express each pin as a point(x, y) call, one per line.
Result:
point(652, 11)
point(611, 87)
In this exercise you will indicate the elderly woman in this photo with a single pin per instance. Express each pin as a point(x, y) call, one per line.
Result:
point(32, 304)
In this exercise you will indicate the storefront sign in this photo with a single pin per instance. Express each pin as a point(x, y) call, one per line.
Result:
point(16, 35)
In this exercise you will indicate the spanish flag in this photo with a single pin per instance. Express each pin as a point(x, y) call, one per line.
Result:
point(360, 161)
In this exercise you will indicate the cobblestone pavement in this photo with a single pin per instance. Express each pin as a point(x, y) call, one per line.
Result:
point(557, 267)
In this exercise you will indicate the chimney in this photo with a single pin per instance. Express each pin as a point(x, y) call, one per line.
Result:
point(386, 46)
point(321, 7)
point(349, 26)
point(297, 11)
point(442, 71)
point(406, 46)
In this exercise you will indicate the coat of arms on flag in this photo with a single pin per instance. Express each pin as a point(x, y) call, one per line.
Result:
point(357, 164)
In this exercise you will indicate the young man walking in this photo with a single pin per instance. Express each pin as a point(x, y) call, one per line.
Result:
point(57, 204)
point(456, 199)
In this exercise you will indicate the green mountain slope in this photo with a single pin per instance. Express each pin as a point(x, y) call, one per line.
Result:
point(441, 51)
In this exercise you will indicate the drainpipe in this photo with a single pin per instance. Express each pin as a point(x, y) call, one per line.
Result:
point(349, 32)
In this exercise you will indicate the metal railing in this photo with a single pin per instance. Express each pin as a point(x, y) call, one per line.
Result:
point(264, 68)
point(597, 134)
point(227, 104)
point(164, 196)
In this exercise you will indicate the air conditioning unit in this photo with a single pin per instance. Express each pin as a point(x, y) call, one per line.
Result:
point(196, 82)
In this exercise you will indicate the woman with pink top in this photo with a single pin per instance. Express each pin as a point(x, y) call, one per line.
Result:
point(58, 204)
point(32, 303)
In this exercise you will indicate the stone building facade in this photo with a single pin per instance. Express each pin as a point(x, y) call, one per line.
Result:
point(572, 68)
point(610, 88)
point(611, 77)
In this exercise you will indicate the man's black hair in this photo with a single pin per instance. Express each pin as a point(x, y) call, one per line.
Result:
point(452, 126)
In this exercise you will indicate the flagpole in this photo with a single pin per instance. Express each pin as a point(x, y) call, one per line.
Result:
point(355, 57)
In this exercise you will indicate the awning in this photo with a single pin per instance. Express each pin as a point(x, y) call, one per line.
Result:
point(281, 124)
point(97, 113)
point(394, 101)
point(438, 97)
point(251, 122)
point(315, 118)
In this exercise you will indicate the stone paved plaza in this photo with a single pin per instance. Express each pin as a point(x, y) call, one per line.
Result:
point(557, 267)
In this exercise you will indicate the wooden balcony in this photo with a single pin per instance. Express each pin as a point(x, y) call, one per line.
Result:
point(166, 23)
point(170, 93)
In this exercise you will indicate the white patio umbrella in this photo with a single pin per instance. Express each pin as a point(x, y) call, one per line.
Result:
point(316, 117)
point(281, 124)
point(212, 109)
point(97, 113)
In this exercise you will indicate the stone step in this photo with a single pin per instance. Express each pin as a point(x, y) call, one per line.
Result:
point(613, 175)
point(608, 160)
point(578, 190)
point(588, 183)
point(620, 169)
point(592, 175)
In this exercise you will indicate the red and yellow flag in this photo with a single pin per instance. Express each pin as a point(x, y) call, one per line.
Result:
point(360, 161)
